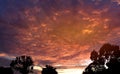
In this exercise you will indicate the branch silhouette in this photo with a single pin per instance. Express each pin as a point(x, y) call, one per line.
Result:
point(22, 64)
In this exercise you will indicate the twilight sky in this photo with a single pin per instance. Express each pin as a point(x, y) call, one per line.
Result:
point(57, 32)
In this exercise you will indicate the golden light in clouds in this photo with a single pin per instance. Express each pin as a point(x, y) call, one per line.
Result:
point(86, 31)
point(65, 34)
point(58, 32)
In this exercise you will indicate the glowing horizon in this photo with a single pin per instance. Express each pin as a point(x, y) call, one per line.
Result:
point(76, 70)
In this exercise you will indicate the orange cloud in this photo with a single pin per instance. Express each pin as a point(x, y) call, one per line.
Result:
point(4, 55)
point(59, 32)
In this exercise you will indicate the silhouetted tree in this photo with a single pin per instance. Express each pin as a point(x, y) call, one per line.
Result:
point(49, 70)
point(105, 61)
point(6, 70)
point(94, 56)
point(22, 64)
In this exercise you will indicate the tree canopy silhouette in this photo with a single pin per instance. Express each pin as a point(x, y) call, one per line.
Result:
point(22, 64)
point(49, 70)
point(105, 61)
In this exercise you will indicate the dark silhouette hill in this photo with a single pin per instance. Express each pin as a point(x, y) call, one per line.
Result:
point(105, 61)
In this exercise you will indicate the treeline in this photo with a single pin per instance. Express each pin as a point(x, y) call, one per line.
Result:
point(105, 61)
point(24, 65)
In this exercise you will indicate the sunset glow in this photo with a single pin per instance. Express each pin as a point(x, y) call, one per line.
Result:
point(64, 71)
point(70, 71)
point(58, 32)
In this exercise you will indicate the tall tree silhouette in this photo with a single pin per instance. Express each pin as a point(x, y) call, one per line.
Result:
point(22, 64)
point(49, 70)
point(106, 60)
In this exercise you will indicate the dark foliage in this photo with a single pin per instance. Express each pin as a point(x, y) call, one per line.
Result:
point(105, 61)
point(49, 70)
point(22, 64)
point(6, 70)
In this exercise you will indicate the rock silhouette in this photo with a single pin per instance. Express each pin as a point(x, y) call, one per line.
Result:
point(105, 61)
point(49, 70)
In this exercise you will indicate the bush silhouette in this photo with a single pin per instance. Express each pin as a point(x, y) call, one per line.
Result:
point(105, 61)
point(22, 64)
point(6, 70)
point(49, 70)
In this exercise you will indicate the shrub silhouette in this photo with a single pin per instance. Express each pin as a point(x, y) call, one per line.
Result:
point(49, 70)
point(22, 64)
point(105, 61)
point(6, 70)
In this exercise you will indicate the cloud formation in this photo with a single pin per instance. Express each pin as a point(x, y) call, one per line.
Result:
point(58, 31)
